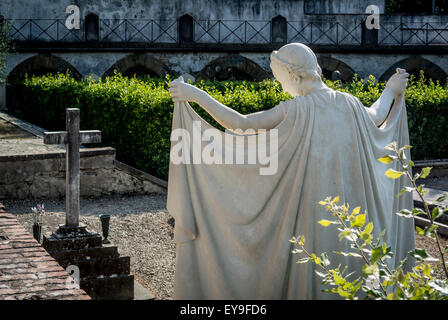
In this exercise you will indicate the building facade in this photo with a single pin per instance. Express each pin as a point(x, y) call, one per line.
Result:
point(221, 39)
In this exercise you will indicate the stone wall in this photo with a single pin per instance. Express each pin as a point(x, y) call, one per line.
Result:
point(197, 63)
point(172, 9)
point(43, 176)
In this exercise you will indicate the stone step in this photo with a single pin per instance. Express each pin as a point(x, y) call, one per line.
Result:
point(54, 243)
point(113, 287)
point(100, 266)
point(82, 254)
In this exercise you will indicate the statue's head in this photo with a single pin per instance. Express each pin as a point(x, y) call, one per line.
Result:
point(295, 66)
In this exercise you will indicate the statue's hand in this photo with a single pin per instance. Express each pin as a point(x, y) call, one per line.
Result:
point(398, 82)
point(181, 91)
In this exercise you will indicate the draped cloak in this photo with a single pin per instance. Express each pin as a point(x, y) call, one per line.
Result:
point(232, 225)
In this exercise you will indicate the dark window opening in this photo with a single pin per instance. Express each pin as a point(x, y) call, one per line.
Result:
point(92, 27)
point(279, 30)
point(427, 74)
point(186, 31)
point(233, 73)
point(326, 74)
point(140, 71)
point(42, 71)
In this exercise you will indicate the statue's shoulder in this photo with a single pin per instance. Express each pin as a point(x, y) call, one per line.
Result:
point(288, 103)
point(346, 96)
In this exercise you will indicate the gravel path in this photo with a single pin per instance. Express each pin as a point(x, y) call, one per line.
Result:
point(138, 227)
point(10, 131)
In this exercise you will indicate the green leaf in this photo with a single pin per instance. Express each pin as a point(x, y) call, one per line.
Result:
point(421, 255)
point(436, 213)
point(393, 174)
point(348, 254)
point(420, 231)
point(320, 274)
point(425, 172)
point(303, 260)
point(430, 230)
point(369, 269)
point(420, 188)
point(418, 211)
point(377, 253)
point(360, 220)
point(405, 213)
point(392, 146)
point(369, 227)
point(343, 293)
point(386, 159)
point(326, 223)
point(356, 210)
point(340, 281)
point(366, 233)
point(324, 259)
point(344, 234)
point(440, 286)
point(442, 198)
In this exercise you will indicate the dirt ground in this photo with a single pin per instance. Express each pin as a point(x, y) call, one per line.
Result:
point(10, 131)
point(140, 228)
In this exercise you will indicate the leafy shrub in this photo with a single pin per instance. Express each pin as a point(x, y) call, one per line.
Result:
point(135, 114)
point(378, 281)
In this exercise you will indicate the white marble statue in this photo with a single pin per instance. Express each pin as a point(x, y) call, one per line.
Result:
point(233, 224)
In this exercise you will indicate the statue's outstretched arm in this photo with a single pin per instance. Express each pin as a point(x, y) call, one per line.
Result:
point(225, 116)
point(395, 86)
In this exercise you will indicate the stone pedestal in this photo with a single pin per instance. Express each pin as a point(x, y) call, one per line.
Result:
point(103, 273)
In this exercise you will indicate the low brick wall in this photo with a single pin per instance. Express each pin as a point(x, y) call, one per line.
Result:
point(27, 271)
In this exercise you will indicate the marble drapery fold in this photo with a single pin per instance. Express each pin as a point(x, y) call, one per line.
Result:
point(233, 224)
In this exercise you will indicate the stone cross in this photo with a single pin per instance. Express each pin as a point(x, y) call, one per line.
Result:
point(72, 138)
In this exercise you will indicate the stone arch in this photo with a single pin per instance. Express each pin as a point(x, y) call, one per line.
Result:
point(37, 65)
point(329, 65)
point(233, 66)
point(413, 64)
point(41, 64)
point(139, 64)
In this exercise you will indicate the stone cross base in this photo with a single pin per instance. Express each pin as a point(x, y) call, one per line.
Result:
point(103, 273)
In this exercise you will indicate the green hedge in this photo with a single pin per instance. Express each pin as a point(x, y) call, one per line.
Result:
point(134, 114)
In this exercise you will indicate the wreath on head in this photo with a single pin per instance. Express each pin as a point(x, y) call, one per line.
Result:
point(295, 71)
